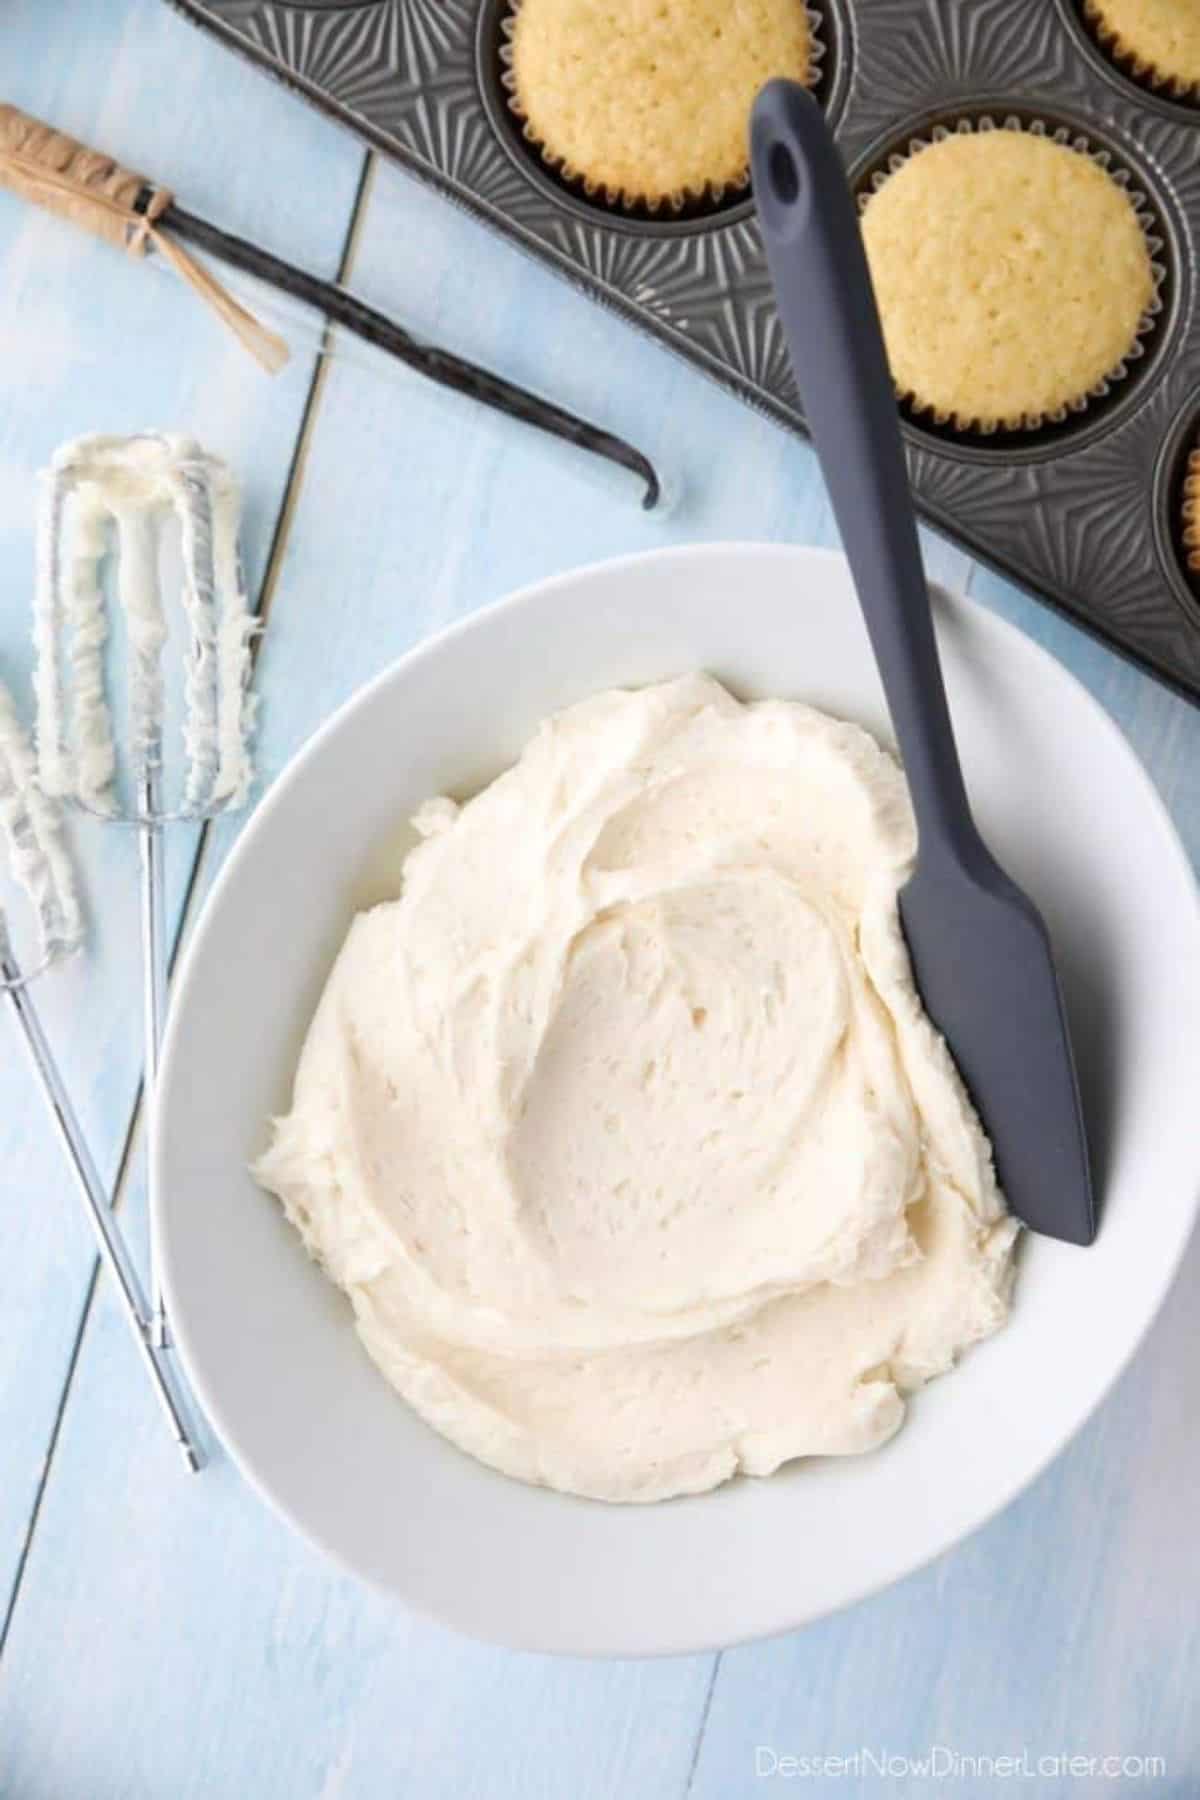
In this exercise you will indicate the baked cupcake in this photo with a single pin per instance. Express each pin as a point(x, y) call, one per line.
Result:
point(1013, 274)
point(1190, 513)
point(648, 101)
point(1157, 41)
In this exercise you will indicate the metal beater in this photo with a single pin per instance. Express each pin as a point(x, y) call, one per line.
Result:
point(39, 867)
point(113, 499)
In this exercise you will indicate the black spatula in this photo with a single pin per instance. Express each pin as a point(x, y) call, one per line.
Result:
point(981, 953)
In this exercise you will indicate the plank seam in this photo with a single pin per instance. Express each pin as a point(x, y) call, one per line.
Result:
point(698, 1744)
point(287, 506)
point(47, 1460)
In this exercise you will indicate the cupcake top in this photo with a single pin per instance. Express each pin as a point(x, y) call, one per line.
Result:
point(1161, 38)
point(1012, 275)
point(1191, 512)
point(649, 100)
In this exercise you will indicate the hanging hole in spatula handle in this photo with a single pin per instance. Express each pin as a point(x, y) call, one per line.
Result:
point(826, 303)
point(824, 294)
point(783, 188)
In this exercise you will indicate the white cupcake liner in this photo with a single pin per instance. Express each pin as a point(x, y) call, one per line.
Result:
point(711, 194)
point(1071, 139)
point(1130, 61)
point(1189, 513)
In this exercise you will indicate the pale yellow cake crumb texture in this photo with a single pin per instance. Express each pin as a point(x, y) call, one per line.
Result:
point(1012, 275)
point(1191, 512)
point(650, 99)
point(1161, 38)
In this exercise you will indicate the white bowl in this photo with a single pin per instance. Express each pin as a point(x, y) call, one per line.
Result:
point(268, 1343)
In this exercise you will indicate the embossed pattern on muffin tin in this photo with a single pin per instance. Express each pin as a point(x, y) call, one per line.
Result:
point(1080, 513)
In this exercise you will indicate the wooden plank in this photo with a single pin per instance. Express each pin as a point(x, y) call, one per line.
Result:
point(91, 342)
point(208, 1652)
point(255, 1666)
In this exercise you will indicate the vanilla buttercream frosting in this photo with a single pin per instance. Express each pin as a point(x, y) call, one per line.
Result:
point(623, 1128)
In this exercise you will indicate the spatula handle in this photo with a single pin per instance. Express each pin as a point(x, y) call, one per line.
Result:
point(823, 291)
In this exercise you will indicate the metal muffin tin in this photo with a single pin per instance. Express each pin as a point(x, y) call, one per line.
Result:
point(1086, 512)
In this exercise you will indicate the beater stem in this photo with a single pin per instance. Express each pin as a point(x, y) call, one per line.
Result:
point(154, 999)
point(108, 1236)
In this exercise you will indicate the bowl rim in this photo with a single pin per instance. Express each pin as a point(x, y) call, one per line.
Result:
point(294, 772)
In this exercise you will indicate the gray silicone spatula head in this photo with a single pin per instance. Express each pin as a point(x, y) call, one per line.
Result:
point(981, 953)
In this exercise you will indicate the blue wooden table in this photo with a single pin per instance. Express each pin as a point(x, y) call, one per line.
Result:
point(166, 1636)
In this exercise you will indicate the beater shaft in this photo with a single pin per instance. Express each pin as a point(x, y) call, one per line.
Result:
point(108, 1236)
point(154, 999)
